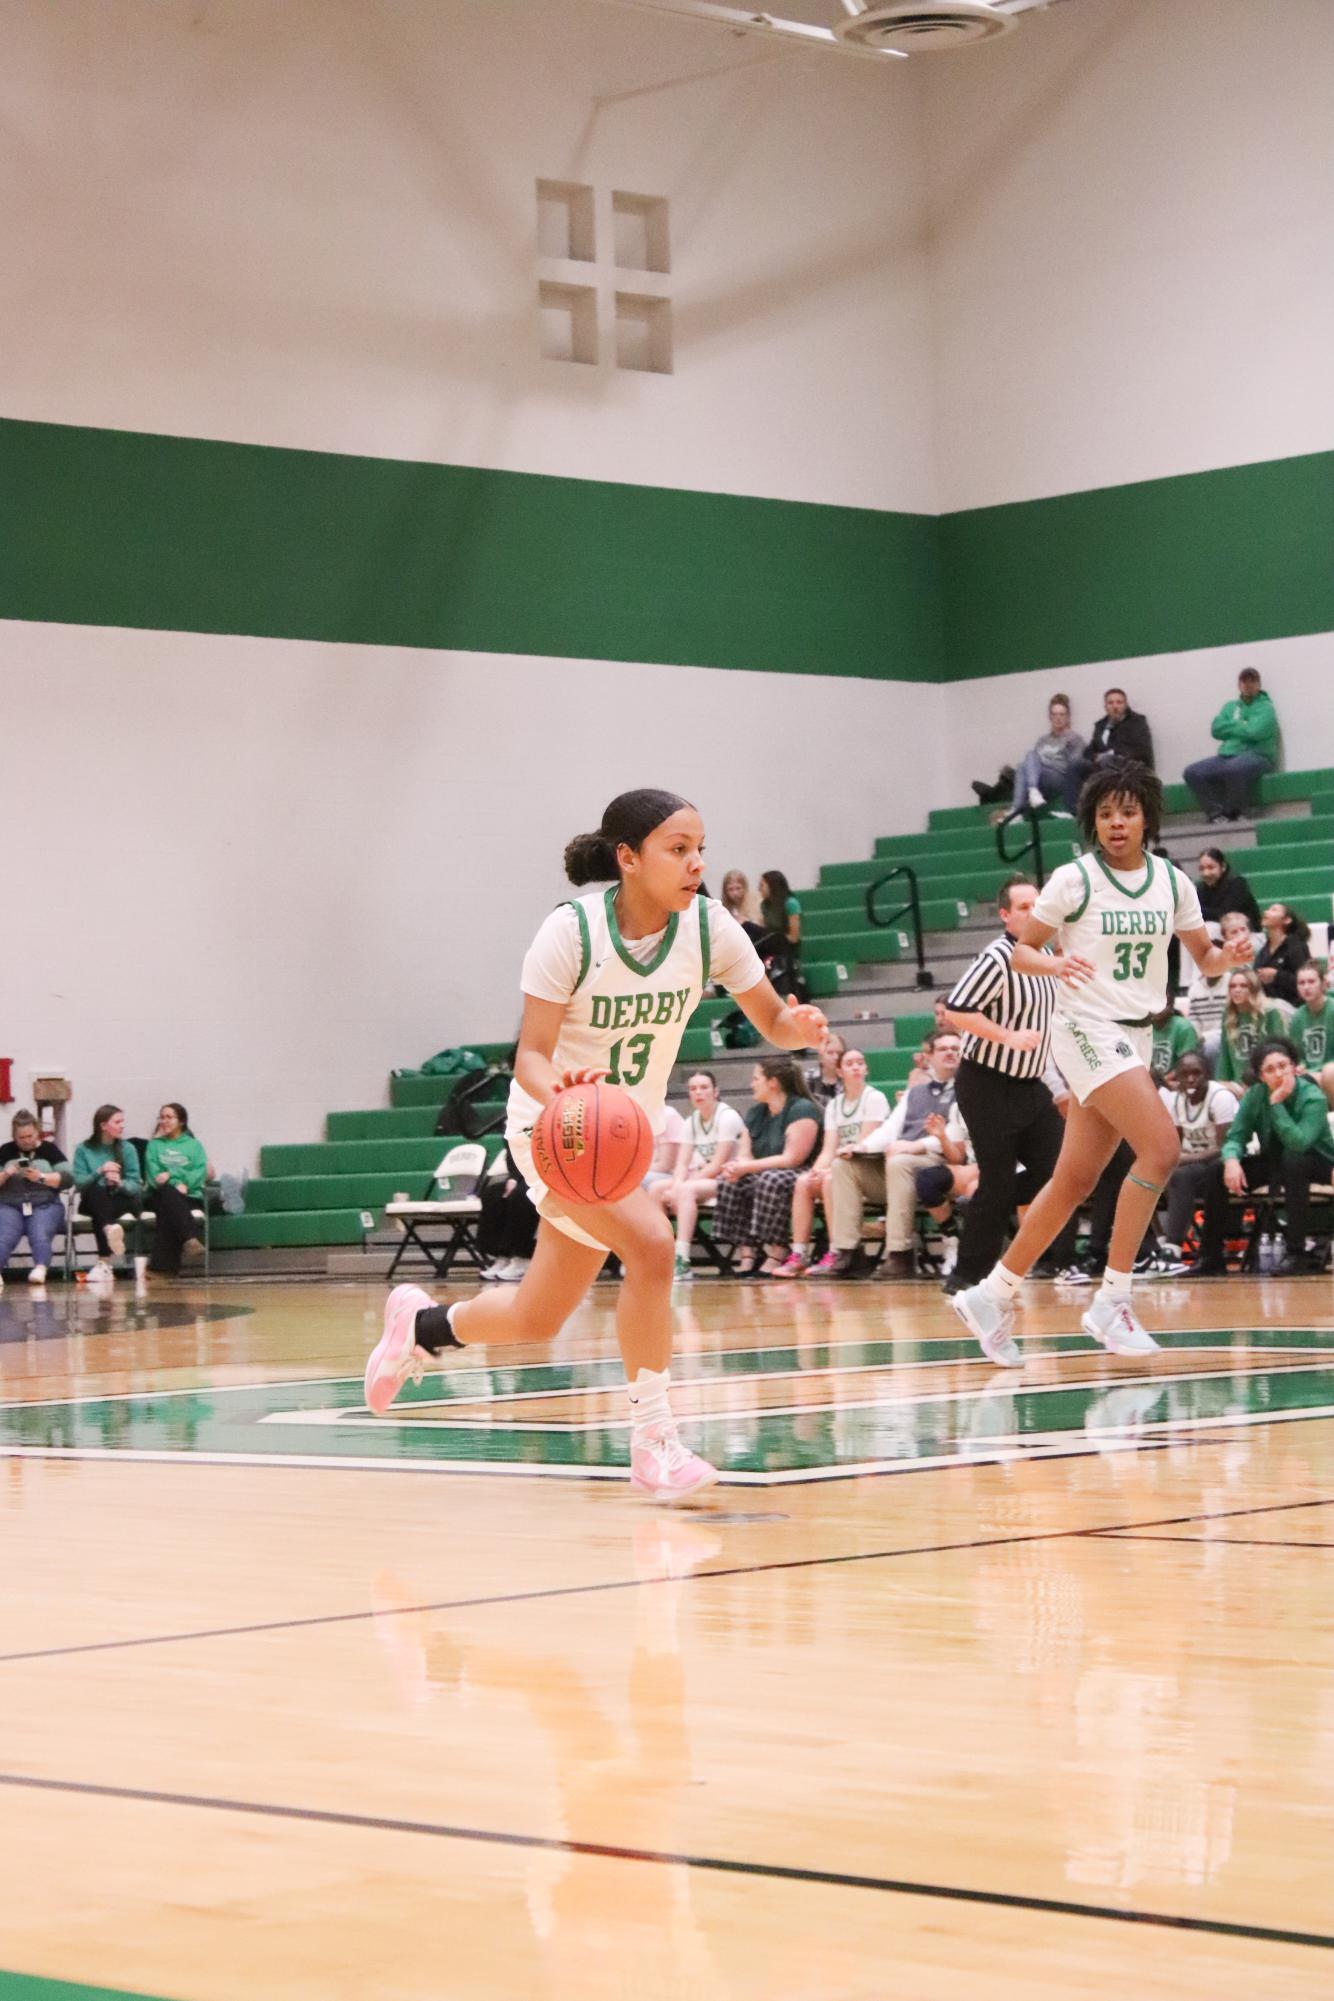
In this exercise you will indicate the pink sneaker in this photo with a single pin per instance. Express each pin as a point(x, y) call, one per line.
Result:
point(824, 1267)
point(395, 1355)
point(794, 1265)
point(666, 1470)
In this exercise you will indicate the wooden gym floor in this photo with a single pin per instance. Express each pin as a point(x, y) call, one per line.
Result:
point(1013, 1685)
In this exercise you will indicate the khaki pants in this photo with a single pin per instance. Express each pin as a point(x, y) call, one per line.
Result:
point(852, 1184)
point(890, 1178)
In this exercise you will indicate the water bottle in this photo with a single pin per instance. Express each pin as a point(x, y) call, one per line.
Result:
point(1265, 1259)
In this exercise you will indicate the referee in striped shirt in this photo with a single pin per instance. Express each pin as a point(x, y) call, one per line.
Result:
point(1011, 1116)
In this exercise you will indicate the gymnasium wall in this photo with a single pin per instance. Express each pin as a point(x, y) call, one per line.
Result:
point(1133, 299)
point(332, 606)
point(308, 813)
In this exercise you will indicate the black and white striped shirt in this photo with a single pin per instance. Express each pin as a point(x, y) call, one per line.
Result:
point(1011, 1000)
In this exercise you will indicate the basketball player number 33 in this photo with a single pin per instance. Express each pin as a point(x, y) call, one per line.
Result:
point(638, 1049)
point(1124, 953)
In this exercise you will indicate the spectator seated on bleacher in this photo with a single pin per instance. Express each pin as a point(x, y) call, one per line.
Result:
point(507, 1226)
point(1221, 889)
point(1206, 998)
point(1174, 1035)
point(109, 1179)
point(666, 1147)
point(824, 1077)
point(1287, 947)
point(1248, 1020)
point(780, 1140)
point(1052, 769)
point(906, 1161)
point(738, 902)
point(712, 1134)
point(1246, 732)
point(1202, 1112)
point(32, 1173)
point(780, 924)
point(1120, 735)
point(176, 1173)
point(1312, 1028)
point(1289, 1116)
point(852, 1115)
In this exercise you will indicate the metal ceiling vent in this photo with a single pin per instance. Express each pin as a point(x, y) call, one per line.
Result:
point(913, 27)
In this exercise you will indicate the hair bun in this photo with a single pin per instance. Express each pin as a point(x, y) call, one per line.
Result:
point(590, 858)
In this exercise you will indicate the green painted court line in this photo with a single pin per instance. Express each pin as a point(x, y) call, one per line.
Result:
point(30, 1987)
point(930, 1428)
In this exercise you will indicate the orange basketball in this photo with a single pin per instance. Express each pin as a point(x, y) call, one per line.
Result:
point(593, 1143)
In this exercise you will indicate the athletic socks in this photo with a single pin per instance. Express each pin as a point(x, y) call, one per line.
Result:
point(648, 1396)
point(1003, 1285)
point(1117, 1284)
point(434, 1329)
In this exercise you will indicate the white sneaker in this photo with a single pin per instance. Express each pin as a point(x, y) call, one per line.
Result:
point(991, 1325)
point(115, 1236)
point(511, 1273)
point(37, 1276)
point(1113, 1322)
point(101, 1273)
point(496, 1269)
point(662, 1467)
point(1036, 799)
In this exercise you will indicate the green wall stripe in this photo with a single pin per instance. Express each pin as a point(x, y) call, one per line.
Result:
point(1164, 566)
point(129, 529)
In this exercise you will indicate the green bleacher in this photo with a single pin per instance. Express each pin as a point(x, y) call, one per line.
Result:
point(315, 1194)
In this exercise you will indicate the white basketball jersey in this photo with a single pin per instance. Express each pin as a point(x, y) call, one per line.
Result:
point(1123, 925)
point(626, 1015)
point(706, 1140)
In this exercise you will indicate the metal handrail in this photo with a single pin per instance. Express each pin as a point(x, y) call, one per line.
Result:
point(912, 908)
point(1032, 847)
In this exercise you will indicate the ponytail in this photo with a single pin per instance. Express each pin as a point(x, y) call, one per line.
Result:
point(627, 822)
point(590, 858)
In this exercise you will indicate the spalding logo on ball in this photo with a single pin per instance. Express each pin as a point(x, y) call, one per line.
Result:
point(592, 1144)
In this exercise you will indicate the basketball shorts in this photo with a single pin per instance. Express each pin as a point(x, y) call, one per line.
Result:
point(1089, 1053)
point(520, 1139)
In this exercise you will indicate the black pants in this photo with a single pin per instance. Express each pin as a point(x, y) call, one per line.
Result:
point(1292, 1172)
point(176, 1224)
point(102, 1204)
point(1010, 1120)
point(508, 1224)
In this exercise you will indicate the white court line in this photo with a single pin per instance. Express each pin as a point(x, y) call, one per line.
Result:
point(593, 1361)
point(1073, 1444)
point(350, 1418)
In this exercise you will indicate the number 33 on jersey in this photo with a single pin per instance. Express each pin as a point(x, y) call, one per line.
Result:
point(1123, 925)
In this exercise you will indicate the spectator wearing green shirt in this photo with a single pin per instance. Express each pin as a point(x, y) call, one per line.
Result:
point(110, 1182)
point(1312, 1028)
point(1246, 732)
point(1247, 1022)
point(1288, 1114)
point(780, 943)
point(1173, 1036)
point(177, 1171)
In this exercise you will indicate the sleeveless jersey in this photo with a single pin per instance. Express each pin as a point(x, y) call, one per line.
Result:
point(847, 1119)
point(623, 1014)
point(706, 1140)
point(1123, 925)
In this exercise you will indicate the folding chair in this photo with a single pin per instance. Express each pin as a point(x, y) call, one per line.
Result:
point(443, 1224)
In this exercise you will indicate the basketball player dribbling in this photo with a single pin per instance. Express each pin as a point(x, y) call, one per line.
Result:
point(609, 983)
